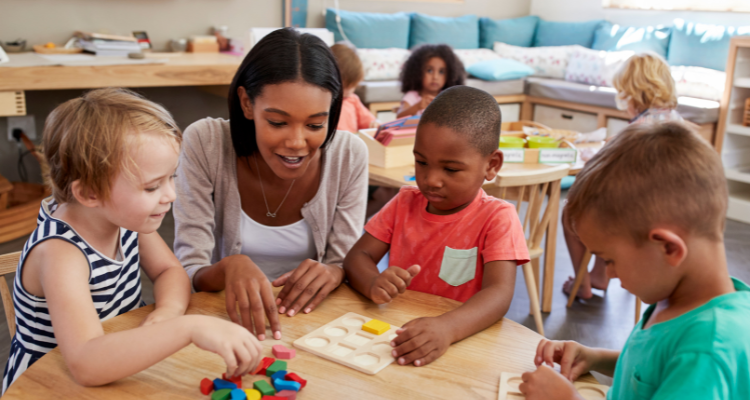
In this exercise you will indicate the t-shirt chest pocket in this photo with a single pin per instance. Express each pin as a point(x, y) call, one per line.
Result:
point(458, 266)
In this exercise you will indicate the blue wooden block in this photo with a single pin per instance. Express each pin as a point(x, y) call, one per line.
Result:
point(286, 385)
point(238, 394)
point(222, 384)
point(278, 375)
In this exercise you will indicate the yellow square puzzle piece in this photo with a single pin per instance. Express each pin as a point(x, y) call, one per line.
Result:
point(376, 327)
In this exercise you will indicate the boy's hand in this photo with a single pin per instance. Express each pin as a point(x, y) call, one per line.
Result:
point(391, 282)
point(574, 358)
point(238, 347)
point(161, 314)
point(545, 383)
point(420, 341)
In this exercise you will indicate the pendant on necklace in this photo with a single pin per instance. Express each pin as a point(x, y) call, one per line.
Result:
point(270, 214)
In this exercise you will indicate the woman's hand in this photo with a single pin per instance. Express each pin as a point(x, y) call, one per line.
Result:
point(306, 286)
point(248, 287)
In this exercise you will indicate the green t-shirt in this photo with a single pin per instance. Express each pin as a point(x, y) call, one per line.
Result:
point(702, 354)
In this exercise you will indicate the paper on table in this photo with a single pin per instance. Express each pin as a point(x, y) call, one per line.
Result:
point(91, 60)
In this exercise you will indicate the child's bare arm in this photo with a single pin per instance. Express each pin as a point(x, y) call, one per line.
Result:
point(360, 263)
point(95, 358)
point(407, 109)
point(423, 340)
point(171, 283)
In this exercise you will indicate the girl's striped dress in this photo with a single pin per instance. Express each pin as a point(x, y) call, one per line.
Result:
point(115, 287)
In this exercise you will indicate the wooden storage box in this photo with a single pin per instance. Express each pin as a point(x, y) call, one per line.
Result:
point(20, 209)
point(398, 153)
point(201, 47)
point(746, 114)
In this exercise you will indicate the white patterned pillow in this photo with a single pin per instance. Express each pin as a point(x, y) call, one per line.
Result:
point(470, 57)
point(382, 64)
point(548, 61)
point(594, 67)
point(699, 82)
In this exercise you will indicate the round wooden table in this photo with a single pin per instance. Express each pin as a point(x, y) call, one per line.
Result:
point(469, 369)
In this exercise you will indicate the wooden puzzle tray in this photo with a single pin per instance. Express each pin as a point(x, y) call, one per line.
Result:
point(343, 341)
point(509, 388)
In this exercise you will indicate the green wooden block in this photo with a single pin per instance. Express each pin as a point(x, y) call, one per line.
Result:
point(221, 394)
point(264, 388)
point(276, 367)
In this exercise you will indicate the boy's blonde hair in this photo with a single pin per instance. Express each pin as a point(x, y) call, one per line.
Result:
point(84, 138)
point(646, 79)
point(349, 64)
point(652, 174)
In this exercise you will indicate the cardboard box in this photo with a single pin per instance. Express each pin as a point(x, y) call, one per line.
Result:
point(398, 153)
point(565, 154)
point(203, 47)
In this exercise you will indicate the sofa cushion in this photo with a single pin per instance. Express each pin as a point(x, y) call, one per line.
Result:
point(382, 64)
point(701, 45)
point(371, 30)
point(547, 61)
point(551, 33)
point(470, 57)
point(702, 83)
point(388, 91)
point(502, 69)
point(611, 37)
point(594, 67)
point(459, 33)
point(699, 111)
point(513, 31)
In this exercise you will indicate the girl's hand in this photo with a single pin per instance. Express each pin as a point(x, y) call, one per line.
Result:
point(426, 100)
point(248, 287)
point(420, 341)
point(235, 344)
point(161, 314)
point(391, 282)
point(545, 383)
point(374, 124)
point(574, 358)
point(306, 286)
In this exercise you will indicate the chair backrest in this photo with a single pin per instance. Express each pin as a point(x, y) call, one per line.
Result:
point(532, 186)
point(8, 264)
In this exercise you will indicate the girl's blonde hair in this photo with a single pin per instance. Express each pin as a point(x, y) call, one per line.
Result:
point(350, 66)
point(84, 138)
point(646, 79)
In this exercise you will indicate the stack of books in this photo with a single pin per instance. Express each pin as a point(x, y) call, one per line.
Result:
point(107, 45)
point(401, 128)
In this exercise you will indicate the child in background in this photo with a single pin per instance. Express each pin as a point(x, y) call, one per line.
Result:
point(447, 237)
point(430, 69)
point(354, 114)
point(662, 235)
point(112, 157)
point(646, 90)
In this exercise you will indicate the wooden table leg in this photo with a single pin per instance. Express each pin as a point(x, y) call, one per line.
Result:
point(550, 246)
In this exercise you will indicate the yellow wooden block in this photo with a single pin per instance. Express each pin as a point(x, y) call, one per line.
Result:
point(252, 394)
point(376, 327)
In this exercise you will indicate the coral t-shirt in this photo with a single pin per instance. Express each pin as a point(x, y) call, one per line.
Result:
point(354, 115)
point(451, 249)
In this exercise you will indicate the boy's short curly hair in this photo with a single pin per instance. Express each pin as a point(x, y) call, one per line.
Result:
point(651, 174)
point(85, 138)
point(413, 71)
point(646, 78)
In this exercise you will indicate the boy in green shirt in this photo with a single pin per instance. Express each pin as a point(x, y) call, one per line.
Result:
point(651, 203)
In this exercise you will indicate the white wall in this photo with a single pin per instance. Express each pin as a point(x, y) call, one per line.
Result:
point(581, 10)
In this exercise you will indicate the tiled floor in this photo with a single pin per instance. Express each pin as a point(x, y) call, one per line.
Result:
point(604, 321)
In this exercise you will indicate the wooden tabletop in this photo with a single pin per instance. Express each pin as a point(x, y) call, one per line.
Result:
point(469, 369)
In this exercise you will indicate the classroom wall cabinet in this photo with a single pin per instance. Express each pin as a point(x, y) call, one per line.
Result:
point(559, 118)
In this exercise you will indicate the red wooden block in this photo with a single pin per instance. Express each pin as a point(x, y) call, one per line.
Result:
point(287, 394)
point(283, 353)
point(207, 386)
point(294, 377)
point(273, 398)
point(264, 364)
point(237, 380)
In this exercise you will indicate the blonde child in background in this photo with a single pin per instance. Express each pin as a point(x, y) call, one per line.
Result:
point(354, 114)
point(646, 90)
point(112, 157)
point(652, 204)
point(430, 69)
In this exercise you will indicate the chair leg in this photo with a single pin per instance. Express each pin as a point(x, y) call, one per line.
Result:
point(532, 287)
point(637, 309)
point(582, 269)
point(535, 269)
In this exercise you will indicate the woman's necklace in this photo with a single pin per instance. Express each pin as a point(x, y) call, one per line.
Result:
point(269, 213)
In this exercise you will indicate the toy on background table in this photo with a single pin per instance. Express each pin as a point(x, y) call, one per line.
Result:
point(237, 380)
point(221, 394)
point(222, 384)
point(343, 341)
point(401, 128)
point(282, 385)
point(264, 388)
point(509, 388)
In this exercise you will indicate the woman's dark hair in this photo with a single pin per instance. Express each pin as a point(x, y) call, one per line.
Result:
point(413, 72)
point(283, 55)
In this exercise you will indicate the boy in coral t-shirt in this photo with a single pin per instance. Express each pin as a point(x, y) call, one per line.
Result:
point(448, 237)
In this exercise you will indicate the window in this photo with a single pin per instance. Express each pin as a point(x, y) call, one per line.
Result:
point(693, 5)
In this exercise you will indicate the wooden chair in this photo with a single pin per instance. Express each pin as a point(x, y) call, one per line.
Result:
point(8, 264)
point(582, 269)
point(532, 187)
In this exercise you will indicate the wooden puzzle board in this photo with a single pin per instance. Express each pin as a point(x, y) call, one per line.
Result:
point(343, 341)
point(509, 388)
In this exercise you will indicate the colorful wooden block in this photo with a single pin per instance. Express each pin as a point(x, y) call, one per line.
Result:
point(286, 385)
point(238, 394)
point(283, 353)
point(288, 394)
point(291, 376)
point(237, 380)
point(276, 367)
point(264, 388)
point(273, 398)
point(278, 375)
point(376, 327)
point(222, 384)
point(221, 394)
point(252, 394)
point(264, 363)
point(207, 386)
